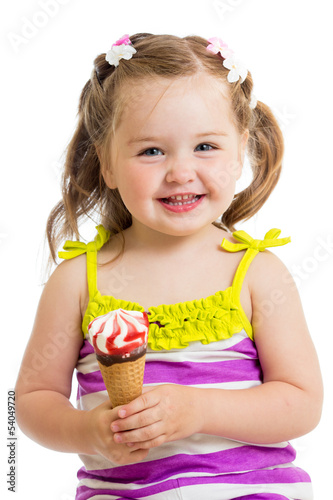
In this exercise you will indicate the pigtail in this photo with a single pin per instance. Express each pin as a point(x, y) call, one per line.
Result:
point(265, 151)
point(80, 189)
point(84, 192)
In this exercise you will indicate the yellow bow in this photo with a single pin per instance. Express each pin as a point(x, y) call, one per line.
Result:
point(75, 248)
point(270, 240)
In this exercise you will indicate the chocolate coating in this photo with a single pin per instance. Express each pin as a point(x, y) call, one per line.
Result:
point(109, 360)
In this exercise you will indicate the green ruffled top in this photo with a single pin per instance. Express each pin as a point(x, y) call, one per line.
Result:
point(173, 326)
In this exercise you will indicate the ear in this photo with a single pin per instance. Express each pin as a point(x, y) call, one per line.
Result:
point(109, 177)
point(106, 170)
point(242, 148)
point(243, 144)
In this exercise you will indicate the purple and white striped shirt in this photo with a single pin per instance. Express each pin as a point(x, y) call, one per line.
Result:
point(201, 466)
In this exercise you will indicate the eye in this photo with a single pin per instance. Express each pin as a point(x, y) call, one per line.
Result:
point(204, 147)
point(151, 152)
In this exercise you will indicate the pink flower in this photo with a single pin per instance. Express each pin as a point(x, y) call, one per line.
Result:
point(124, 40)
point(219, 46)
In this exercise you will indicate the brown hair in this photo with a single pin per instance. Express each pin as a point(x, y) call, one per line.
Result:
point(84, 192)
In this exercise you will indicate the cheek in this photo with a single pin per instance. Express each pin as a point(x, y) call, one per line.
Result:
point(223, 178)
point(134, 189)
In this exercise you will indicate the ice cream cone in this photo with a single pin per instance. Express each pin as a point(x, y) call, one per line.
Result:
point(123, 381)
point(120, 340)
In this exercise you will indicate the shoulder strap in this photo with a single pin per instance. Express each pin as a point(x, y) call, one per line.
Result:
point(252, 247)
point(76, 248)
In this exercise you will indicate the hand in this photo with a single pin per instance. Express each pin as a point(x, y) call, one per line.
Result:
point(101, 438)
point(163, 413)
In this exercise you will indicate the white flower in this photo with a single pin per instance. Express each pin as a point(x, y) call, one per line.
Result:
point(253, 101)
point(118, 52)
point(237, 69)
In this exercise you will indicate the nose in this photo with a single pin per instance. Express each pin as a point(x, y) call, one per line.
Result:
point(180, 170)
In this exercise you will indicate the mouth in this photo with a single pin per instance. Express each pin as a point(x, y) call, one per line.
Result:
point(182, 202)
point(181, 199)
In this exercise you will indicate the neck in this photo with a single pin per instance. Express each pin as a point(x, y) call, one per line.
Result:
point(145, 238)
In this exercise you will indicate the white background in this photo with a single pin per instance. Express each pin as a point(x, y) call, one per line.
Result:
point(47, 56)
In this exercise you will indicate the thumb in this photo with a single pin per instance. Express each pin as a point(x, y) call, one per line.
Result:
point(148, 389)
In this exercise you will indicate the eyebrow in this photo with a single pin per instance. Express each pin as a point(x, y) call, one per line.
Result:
point(218, 133)
point(142, 139)
point(155, 139)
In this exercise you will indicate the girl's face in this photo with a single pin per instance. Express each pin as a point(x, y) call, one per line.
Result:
point(176, 154)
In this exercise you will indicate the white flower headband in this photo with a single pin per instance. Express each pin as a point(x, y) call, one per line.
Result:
point(121, 49)
point(237, 70)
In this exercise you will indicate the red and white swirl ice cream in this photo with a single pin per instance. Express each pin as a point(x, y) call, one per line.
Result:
point(121, 334)
point(120, 339)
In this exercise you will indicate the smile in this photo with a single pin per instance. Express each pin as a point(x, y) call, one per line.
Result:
point(181, 203)
point(185, 199)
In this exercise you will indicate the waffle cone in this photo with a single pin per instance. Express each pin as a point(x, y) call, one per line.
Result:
point(123, 381)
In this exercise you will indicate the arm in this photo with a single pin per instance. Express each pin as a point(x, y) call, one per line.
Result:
point(288, 403)
point(43, 388)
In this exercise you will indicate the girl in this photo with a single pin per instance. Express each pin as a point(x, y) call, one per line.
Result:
point(164, 124)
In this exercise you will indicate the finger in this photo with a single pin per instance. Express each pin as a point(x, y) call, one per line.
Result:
point(148, 388)
point(137, 454)
point(138, 420)
point(142, 434)
point(146, 445)
point(147, 400)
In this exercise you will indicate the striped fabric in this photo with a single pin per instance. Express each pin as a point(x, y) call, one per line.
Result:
point(201, 466)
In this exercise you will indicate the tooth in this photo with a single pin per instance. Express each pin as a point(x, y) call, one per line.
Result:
point(185, 199)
